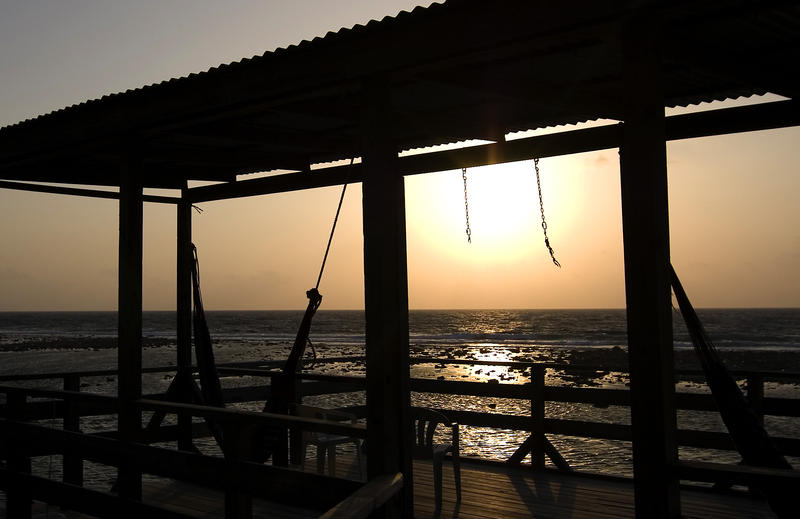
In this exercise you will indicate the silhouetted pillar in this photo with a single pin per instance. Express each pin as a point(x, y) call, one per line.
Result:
point(385, 297)
point(129, 357)
point(184, 313)
point(647, 285)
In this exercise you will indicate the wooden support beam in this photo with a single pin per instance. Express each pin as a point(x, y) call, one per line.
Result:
point(129, 356)
point(184, 314)
point(91, 193)
point(385, 299)
point(18, 495)
point(73, 465)
point(645, 225)
point(766, 116)
point(367, 499)
point(284, 486)
point(537, 418)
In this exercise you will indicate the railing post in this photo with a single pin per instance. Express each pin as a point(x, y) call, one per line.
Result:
point(537, 417)
point(129, 316)
point(18, 496)
point(238, 446)
point(755, 394)
point(184, 316)
point(72, 464)
point(280, 453)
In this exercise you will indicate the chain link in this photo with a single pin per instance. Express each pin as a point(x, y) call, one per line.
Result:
point(541, 208)
point(466, 204)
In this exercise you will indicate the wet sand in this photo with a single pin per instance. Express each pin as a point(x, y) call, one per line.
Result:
point(606, 359)
point(79, 343)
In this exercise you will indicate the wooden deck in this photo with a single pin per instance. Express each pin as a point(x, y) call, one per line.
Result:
point(489, 491)
point(500, 492)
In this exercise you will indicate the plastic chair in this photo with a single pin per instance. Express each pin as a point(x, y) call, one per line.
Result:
point(425, 422)
point(326, 443)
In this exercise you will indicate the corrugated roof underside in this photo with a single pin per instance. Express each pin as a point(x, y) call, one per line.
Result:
point(457, 71)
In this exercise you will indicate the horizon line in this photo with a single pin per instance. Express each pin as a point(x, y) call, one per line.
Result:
point(410, 309)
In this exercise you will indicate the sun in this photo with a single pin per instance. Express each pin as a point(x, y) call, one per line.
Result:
point(502, 204)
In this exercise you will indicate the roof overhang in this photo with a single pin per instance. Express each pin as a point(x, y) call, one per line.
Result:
point(460, 70)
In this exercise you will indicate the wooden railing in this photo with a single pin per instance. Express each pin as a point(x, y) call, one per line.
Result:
point(70, 404)
point(538, 394)
point(240, 479)
point(367, 499)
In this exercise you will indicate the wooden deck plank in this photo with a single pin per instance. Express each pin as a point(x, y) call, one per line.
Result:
point(489, 491)
point(502, 491)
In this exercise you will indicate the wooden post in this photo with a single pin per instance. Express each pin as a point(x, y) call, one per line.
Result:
point(184, 315)
point(389, 438)
point(18, 496)
point(280, 453)
point(537, 417)
point(238, 447)
point(72, 464)
point(129, 356)
point(296, 445)
point(755, 394)
point(643, 167)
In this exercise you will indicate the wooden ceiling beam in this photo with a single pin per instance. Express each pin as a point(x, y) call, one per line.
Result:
point(716, 122)
point(90, 193)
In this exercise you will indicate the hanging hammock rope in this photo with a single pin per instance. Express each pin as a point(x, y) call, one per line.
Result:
point(466, 204)
point(330, 238)
point(325, 259)
point(541, 209)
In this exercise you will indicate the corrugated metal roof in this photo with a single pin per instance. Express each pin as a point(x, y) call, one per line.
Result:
point(461, 70)
point(344, 32)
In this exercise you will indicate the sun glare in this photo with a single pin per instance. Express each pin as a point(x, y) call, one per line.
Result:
point(503, 205)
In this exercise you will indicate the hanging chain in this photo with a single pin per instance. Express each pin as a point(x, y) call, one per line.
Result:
point(541, 208)
point(466, 204)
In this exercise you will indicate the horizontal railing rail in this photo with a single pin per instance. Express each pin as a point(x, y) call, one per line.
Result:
point(735, 474)
point(367, 499)
point(214, 413)
point(255, 418)
point(270, 364)
point(268, 482)
point(21, 440)
point(54, 403)
point(80, 499)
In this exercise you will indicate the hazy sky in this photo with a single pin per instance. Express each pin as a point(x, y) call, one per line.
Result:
point(733, 200)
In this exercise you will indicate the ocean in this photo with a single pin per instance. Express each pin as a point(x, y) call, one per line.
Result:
point(755, 329)
point(763, 339)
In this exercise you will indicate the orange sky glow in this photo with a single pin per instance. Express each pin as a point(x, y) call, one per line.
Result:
point(735, 233)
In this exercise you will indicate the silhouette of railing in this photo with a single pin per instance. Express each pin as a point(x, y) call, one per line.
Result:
point(22, 439)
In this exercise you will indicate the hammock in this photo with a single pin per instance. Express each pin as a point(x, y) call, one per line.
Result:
point(283, 387)
point(743, 424)
point(210, 387)
point(183, 387)
point(282, 390)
